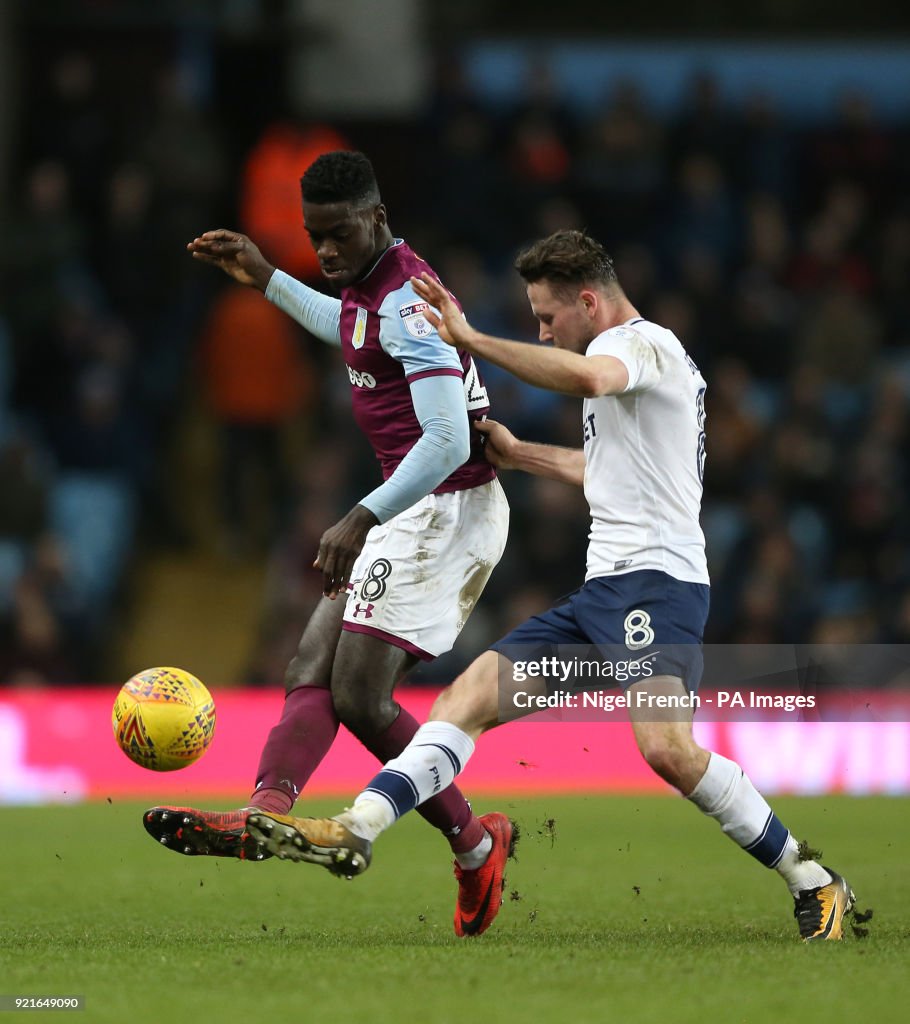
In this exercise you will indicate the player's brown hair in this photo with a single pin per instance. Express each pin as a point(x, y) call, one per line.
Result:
point(567, 260)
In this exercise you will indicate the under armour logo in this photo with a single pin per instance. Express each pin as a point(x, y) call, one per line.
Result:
point(365, 610)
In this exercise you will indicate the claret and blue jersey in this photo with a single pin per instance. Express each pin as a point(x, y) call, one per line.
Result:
point(387, 343)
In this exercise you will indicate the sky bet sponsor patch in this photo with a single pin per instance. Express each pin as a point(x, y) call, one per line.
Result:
point(415, 321)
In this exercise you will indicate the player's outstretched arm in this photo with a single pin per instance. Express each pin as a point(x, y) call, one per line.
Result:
point(506, 451)
point(239, 257)
point(554, 369)
point(235, 254)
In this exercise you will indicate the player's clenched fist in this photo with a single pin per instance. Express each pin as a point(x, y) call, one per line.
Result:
point(501, 444)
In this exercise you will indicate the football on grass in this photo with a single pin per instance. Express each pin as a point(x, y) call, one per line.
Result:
point(163, 719)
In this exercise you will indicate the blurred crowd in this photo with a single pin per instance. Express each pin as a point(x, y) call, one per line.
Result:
point(779, 253)
point(98, 321)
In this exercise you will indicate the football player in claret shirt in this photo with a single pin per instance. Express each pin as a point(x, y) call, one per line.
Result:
point(646, 590)
point(404, 568)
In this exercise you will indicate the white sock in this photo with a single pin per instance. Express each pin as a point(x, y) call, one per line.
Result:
point(476, 858)
point(726, 794)
point(427, 765)
point(798, 873)
point(369, 816)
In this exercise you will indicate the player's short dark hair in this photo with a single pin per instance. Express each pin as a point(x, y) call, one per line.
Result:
point(566, 260)
point(340, 177)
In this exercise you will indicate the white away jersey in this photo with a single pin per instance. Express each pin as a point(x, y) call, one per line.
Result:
point(645, 455)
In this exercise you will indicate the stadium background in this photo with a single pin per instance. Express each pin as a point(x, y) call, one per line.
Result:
point(747, 164)
point(171, 448)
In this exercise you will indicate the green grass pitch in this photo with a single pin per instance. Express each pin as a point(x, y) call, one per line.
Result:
point(618, 909)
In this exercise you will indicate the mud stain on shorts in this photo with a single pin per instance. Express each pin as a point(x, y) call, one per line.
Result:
point(478, 575)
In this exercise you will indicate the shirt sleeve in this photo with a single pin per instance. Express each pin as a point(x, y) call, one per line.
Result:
point(636, 352)
point(439, 404)
point(319, 314)
point(406, 335)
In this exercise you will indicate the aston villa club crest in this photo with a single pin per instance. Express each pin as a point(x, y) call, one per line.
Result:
point(360, 328)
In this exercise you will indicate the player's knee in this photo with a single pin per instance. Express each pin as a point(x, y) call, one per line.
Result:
point(444, 706)
point(350, 707)
point(294, 676)
point(667, 757)
point(468, 706)
point(304, 670)
point(313, 662)
point(310, 666)
point(362, 711)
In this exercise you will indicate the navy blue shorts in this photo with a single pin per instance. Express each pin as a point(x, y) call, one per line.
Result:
point(643, 617)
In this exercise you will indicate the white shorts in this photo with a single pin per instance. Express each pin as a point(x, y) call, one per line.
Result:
point(420, 574)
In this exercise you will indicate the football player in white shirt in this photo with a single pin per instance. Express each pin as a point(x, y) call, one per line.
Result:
point(646, 590)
